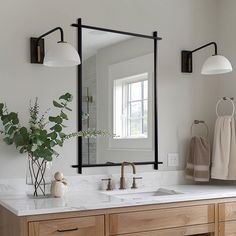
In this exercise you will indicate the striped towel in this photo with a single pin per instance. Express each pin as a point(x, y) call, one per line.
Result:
point(198, 160)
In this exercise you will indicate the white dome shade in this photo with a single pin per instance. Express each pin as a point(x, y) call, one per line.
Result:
point(216, 64)
point(61, 54)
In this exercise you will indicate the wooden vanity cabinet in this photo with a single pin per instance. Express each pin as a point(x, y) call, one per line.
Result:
point(89, 226)
point(210, 217)
point(227, 218)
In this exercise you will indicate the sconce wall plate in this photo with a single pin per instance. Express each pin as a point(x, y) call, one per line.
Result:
point(186, 61)
point(37, 50)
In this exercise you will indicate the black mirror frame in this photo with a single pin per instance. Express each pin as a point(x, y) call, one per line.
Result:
point(155, 39)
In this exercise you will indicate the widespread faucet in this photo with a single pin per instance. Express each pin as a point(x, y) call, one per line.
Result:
point(122, 177)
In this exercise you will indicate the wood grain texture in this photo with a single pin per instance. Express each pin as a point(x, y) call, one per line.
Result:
point(84, 226)
point(12, 225)
point(142, 221)
point(216, 219)
point(227, 211)
point(182, 231)
point(227, 228)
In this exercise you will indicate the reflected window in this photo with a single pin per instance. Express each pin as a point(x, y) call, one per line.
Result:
point(131, 107)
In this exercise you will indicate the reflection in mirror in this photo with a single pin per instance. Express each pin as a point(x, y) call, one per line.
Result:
point(117, 96)
point(130, 113)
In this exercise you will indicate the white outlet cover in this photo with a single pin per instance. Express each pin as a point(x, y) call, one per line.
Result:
point(173, 159)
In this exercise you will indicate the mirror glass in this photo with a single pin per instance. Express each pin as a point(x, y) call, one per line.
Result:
point(117, 96)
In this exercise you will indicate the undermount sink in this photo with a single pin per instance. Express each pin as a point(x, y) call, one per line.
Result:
point(141, 195)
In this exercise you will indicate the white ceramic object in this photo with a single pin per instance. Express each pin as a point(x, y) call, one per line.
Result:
point(59, 185)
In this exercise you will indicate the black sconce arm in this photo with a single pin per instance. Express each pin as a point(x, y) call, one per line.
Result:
point(37, 45)
point(206, 45)
point(51, 31)
point(187, 60)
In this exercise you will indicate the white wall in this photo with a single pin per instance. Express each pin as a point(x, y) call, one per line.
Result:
point(183, 24)
point(227, 39)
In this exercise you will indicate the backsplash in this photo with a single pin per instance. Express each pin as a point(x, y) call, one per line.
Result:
point(93, 182)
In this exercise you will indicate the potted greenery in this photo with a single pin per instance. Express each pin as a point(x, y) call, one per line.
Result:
point(40, 139)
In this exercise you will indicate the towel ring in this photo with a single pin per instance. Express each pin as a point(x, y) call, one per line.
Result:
point(197, 122)
point(225, 99)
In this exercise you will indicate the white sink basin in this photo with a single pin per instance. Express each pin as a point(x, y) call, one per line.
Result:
point(142, 195)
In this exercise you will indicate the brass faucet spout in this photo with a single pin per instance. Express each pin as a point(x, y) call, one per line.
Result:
point(122, 177)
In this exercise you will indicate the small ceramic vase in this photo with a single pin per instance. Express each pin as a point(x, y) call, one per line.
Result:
point(59, 185)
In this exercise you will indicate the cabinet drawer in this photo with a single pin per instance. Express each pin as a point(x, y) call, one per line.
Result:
point(89, 226)
point(227, 211)
point(227, 228)
point(182, 231)
point(132, 222)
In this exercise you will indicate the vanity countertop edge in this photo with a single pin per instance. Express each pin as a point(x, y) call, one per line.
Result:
point(22, 205)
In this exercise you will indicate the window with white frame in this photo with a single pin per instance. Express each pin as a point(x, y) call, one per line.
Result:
point(130, 111)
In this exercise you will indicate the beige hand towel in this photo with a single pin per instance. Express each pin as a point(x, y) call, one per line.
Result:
point(198, 160)
point(224, 149)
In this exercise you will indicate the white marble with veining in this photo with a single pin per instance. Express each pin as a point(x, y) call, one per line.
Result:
point(86, 194)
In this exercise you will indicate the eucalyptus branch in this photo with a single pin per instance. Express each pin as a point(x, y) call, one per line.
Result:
point(88, 134)
point(38, 141)
point(42, 122)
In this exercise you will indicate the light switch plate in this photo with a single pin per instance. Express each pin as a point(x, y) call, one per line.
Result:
point(173, 159)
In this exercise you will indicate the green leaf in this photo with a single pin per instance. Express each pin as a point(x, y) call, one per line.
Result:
point(67, 97)
point(62, 135)
point(7, 127)
point(64, 116)
point(3, 117)
point(59, 142)
point(52, 144)
point(1, 108)
point(11, 130)
point(52, 119)
point(13, 116)
point(5, 121)
point(58, 120)
point(57, 128)
point(56, 104)
point(15, 121)
point(48, 158)
point(8, 140)
point(19, 140)
point(23, 131)
point(53, 135)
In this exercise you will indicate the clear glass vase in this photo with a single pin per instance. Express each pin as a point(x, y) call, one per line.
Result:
point(38, 176)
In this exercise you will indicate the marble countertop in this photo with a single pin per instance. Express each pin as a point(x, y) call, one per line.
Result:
point(22, 205)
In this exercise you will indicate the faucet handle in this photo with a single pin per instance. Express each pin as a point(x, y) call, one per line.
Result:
point(134, 185)
point(109, 187)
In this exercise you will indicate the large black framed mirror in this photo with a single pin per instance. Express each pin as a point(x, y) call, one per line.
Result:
point(117, 93)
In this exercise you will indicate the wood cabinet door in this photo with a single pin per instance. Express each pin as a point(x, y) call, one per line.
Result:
point(227, 228)
point(142, 221)
point(83, 226)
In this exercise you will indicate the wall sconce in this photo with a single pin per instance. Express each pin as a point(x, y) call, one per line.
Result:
point(215, 64)
point(62, 54)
